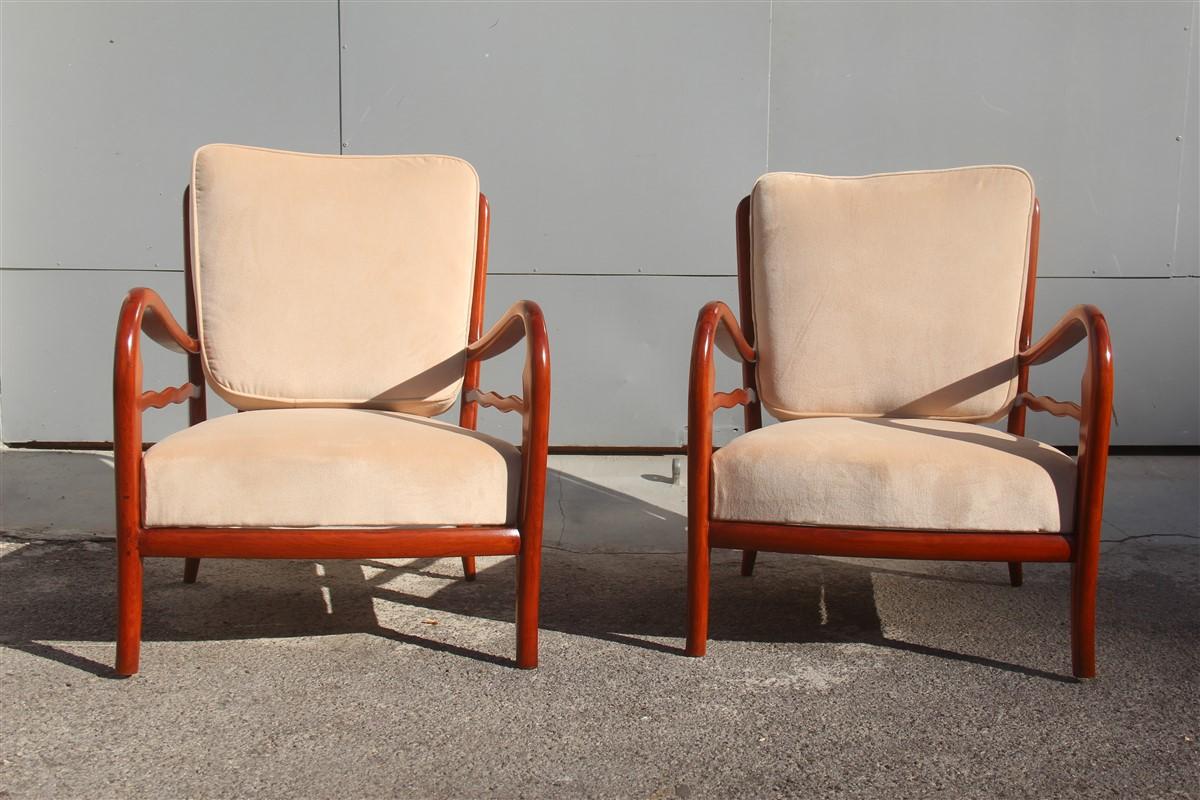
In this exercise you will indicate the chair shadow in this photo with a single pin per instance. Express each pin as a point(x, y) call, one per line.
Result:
point(65, 592)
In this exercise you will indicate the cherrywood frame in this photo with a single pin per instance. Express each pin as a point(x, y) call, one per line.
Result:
point(144, 312)
point(1081, 547)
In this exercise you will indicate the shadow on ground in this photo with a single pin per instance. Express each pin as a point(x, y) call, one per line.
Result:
point(65, 592)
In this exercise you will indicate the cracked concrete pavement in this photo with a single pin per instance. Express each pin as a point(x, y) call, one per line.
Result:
point(373, 678)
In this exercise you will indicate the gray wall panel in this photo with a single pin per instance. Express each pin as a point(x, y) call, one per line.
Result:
point(104, 103)
point(611, 137)
point(1187, 244)
point(1089, 97)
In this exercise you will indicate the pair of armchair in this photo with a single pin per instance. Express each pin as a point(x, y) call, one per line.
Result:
point(337, 303)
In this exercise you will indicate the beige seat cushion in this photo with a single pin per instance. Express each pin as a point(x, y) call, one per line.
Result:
point(311, 467)
point(890, 295)
point(327, 280)
point(892, 473)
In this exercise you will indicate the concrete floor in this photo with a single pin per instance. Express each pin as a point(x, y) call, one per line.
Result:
point(392, 678)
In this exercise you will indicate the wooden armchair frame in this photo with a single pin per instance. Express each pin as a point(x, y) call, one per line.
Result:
point(1081, 547)
point(145, 312)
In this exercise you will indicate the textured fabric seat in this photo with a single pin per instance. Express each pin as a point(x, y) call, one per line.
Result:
point(311, 467)
point(915, 474)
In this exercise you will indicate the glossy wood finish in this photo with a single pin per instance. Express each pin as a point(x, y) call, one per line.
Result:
point(1079, 547)
point(927, 545)
point(339, 543)
point(525, 320)
point(702, 401)
point(144, 313)
point(1096, 391)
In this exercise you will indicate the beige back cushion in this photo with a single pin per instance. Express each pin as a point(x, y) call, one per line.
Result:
point(890, 295)
point(333, 280)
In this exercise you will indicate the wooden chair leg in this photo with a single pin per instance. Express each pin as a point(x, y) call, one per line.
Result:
point(129, 610)
point(699, 557)
point(1016, 575)
point(468, 563)
point(529, 584)
point(1083, 620)
point(748, 557)
point(191, 568)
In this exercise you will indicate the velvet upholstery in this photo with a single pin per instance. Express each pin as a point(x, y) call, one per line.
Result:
point(893, 473)
point(893, 295)
point(312, 467)
point(327, 280)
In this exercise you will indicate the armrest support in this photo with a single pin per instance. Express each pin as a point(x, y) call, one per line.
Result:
point(1094, 411)
point(144, 311)
point(720, 327)
point(715, 318)
point(524, 320)
point(1082, 321)
point(148, 312)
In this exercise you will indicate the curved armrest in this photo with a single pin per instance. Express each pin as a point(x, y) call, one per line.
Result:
point(702, 399)
point(144, 309)
point(524, 320)
point(1081, 322)
point(716, 318)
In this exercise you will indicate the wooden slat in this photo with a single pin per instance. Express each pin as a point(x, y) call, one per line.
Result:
point(327, 543)
point(932, 545)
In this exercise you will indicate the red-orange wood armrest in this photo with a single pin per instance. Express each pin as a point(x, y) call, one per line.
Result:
point(144, 311)
point(717, 318)
point(524, 320)
point(1094, 412)
point(1081, 322)
point(717, 329)
point(702, 399)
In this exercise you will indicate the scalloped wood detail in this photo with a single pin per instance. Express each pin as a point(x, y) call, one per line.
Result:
point(1058, 408)
point(168, 397)
point(493, 400)
point(738, 397)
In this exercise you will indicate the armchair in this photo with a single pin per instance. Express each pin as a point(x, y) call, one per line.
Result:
point(337, 303)
point(882, 320)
